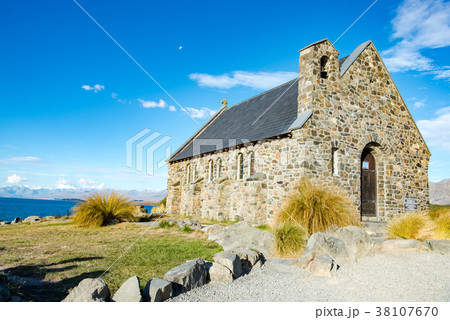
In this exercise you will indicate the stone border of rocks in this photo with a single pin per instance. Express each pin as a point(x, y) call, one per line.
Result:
point(227, 266)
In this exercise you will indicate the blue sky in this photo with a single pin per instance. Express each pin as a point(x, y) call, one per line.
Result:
point(71, 98)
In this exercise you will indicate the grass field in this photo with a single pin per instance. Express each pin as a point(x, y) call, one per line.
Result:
point(63, 254)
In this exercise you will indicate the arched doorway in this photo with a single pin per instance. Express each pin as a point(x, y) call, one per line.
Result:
point(368, 184)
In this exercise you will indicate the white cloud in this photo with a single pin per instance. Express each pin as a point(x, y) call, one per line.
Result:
point(419, 25)
point(437, 130)
point(153, 104)
point(199, 113)
point(180, 47)
point(419, 104)
point(96, 87)
point(15, 179)
point(172, 108)
point(115, 96)
point(62, 183)
point(90, 184)
point(13, 160)
point(255, 80)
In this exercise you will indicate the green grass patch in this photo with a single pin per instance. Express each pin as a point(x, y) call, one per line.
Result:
point(65, 254)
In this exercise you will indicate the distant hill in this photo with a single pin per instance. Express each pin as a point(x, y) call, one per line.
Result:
point(42, 193)
point(440, 192)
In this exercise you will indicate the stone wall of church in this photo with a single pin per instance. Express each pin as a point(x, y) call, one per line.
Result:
point(363, 108)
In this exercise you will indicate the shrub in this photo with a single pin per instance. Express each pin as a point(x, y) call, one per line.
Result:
point(165, 224)
point(187, 229)
point(98, 208)
point(410, 226)
point(289, 240)
point(317, 208)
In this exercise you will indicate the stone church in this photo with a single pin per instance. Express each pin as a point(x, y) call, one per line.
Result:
point(341, 123)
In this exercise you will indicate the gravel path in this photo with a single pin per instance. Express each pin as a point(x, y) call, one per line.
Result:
point(421, 276)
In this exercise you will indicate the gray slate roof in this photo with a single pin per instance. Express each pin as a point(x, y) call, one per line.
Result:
point(266, 115)
point(269, 114)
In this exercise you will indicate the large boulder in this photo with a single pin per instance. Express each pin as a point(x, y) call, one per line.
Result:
point(442, 246)
point(4, 292)
point(403, 245)
point(248, 257)
point(324, 245)
point(231, 261)
point(89, 290)
point(322, 266)
point(157, 290)
point(211, 229)
point(32, 219)
point(220, 273)
point(16, 221)
point(129, 291)
point(243, 235)
point(187, 276)
point(357, 241)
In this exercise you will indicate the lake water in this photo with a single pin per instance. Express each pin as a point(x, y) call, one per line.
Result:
point(11, 208)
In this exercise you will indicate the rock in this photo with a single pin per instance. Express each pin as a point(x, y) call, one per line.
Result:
point(49, 218)
point(129, 291)
point(243, 235)
point(187, 276)
point(181, 224)
point(220, 273)
point(357, 241)
point(16, 221)
point(248, 257)
point(231, 261)
point(89, 290)
point(157, 290)
point(172, 222)
point(442, 246)
point(403, 245)
point(32, 219)
point(4, 292)
point(16, 299)
point(324, 245)
point(322, 266)
point(211, 229)
point(3, 223)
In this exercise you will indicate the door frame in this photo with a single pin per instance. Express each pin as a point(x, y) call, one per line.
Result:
point(366, 151)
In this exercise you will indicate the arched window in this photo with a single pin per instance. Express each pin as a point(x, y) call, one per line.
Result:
point(323, 67)
point(188, 173)
point(210, 173)
point(251, 163)
point(219, 168)
point(194, 173)
point(240, 166)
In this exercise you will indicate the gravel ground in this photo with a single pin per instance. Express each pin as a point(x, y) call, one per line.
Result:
point(421, 276)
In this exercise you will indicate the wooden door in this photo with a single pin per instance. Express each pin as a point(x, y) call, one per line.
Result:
point(368, 186)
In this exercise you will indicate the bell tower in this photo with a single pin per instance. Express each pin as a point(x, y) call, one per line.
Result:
point(318, 71)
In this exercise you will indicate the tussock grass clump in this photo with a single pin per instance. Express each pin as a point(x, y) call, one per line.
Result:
point(410, 226)
point(432, 224)
point(317, 208)
point(99, 208)
point(290, 240)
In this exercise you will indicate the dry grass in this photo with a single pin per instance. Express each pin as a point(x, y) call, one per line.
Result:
point(62, 254)
point(317, 209)
point(99, 208)
point(290, 240)
point(434, 224)
point(410, 226)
